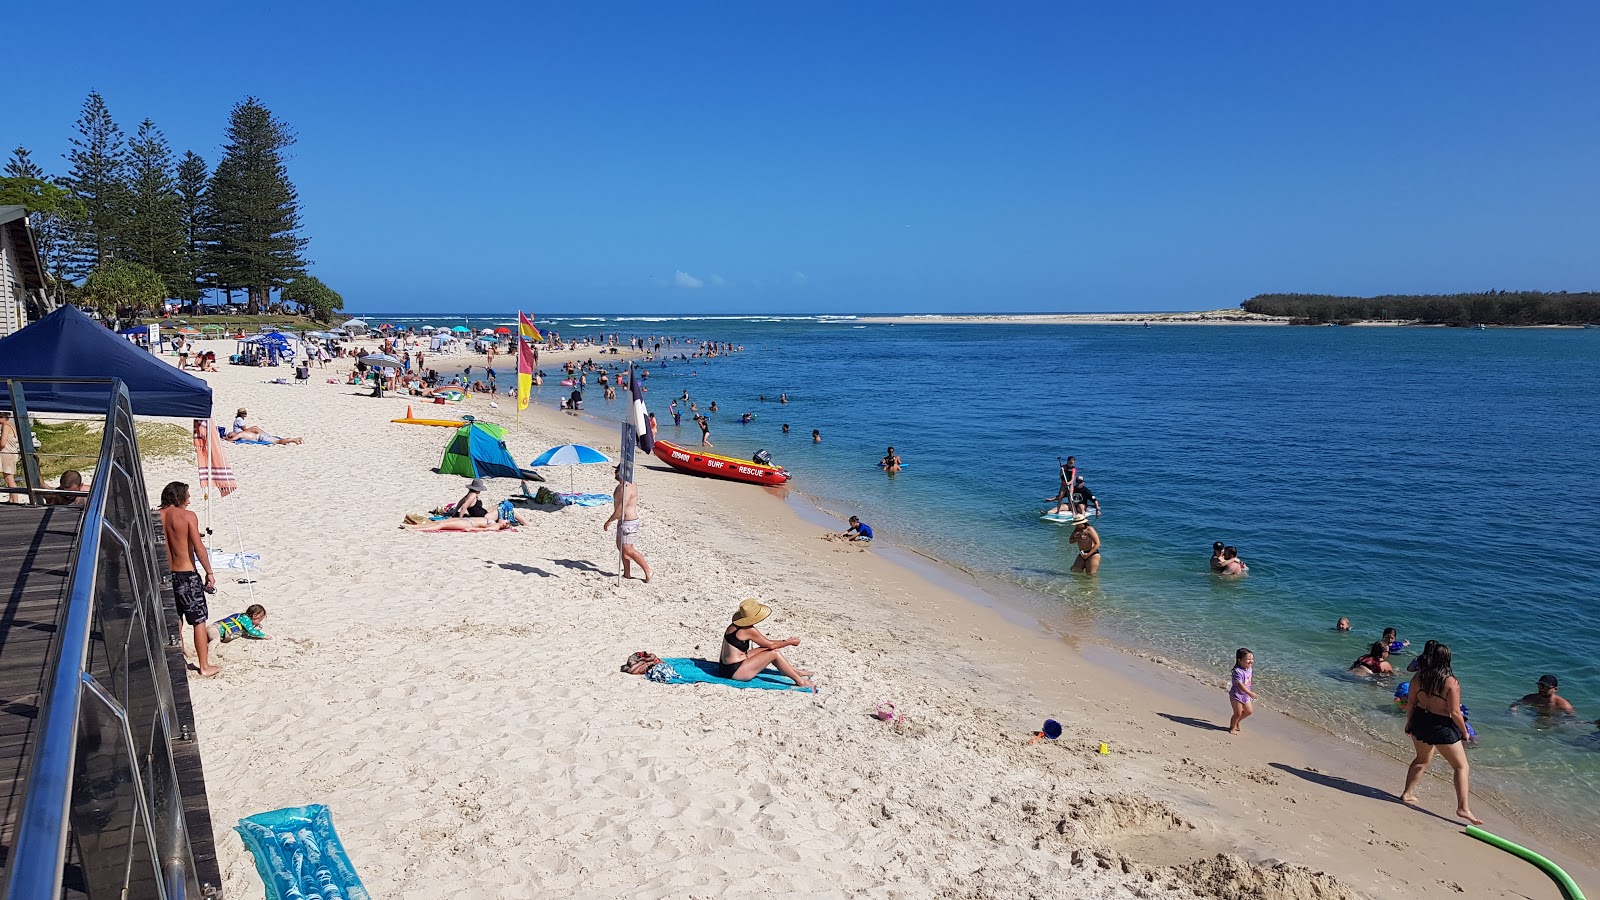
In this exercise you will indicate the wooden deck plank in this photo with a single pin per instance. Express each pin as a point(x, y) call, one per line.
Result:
point(38, 546)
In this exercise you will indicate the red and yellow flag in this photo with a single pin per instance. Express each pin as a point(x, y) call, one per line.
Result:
point(527, 360)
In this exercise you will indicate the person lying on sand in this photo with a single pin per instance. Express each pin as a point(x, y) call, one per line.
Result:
point(243, 432)
point(494, 524)
point(736, 662)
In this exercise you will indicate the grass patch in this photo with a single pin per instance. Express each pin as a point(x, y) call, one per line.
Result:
point(76, 445)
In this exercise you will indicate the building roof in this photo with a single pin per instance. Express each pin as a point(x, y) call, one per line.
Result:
point(14, 219)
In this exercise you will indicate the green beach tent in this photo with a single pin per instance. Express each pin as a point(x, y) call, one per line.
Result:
point(478, 450)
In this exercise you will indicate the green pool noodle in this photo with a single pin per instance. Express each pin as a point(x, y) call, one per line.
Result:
point(1569, 888)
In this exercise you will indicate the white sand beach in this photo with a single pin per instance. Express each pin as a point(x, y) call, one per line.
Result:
point(455, 700)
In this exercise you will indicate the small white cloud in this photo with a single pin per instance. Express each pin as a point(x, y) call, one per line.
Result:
point(685, 280)
point(717, 280)
point(799, 278)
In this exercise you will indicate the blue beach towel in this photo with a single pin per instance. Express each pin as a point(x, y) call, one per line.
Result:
point(700, 671)
point(584, 499)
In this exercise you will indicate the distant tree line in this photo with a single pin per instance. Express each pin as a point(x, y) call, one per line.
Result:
point(129, 225)
point(1488, 308)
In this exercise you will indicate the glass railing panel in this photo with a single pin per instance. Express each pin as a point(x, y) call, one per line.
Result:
point(114, 614)
point(107, 823)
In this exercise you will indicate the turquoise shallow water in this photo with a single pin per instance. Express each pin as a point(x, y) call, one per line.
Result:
point(1442, 481)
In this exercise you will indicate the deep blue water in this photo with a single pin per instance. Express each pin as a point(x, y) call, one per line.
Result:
point(1442, 481)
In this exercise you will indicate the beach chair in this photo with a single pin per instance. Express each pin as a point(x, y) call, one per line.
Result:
point(302, 374)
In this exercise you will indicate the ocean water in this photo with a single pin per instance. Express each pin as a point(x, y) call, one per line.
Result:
point(1442, 481)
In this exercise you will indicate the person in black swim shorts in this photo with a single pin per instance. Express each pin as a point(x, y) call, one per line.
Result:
point(1435, 723)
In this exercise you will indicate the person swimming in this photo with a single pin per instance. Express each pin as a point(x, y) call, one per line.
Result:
point(890, 462)
point(1342, 625)
point(1375, 662)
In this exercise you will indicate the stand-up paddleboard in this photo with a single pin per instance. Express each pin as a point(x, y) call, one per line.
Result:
point(1057, 518)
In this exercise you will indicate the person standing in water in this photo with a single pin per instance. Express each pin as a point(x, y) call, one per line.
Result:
point(890, 462)
point(1088, 541)
point(185, 545)
point(625, 512)
point(1434, 722)
point(1069, 475)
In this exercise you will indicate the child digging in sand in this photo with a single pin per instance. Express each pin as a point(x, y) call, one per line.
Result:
point(1240, 696)
point(246, 624)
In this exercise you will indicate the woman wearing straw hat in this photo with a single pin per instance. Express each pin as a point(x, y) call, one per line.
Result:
point(738, 663)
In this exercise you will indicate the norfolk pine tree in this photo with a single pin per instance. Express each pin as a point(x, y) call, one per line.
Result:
point(52, 214)
point(255, 210)
point(196, 213)
point(98, 178)
point(153, 235)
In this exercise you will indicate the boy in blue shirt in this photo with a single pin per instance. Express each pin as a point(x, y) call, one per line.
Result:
point(859, 530)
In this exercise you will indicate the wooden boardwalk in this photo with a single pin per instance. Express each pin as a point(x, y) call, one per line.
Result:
point(36, 546)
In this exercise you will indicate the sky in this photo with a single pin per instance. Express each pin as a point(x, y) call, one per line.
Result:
point(838, 157)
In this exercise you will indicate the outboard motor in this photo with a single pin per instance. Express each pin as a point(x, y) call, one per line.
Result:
point(762, 458)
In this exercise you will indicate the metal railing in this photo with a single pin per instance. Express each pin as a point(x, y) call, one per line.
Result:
point(102, 774)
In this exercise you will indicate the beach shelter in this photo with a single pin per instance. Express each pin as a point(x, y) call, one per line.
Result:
point(460, 328)
point(478, 450)
point(69, 344)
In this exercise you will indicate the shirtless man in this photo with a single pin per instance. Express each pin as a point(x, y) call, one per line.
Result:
point(625, 512)
point(890, 462)
point(1544, 699)
point(184, 546)
point(1088, 541)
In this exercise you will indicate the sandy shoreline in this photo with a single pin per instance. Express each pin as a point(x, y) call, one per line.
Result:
point(455, 699)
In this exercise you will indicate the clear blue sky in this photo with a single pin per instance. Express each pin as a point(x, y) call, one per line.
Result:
point(833, 156)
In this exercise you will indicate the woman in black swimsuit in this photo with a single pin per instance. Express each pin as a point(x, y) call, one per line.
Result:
point(471, 505)
point(1376, 662)
point(1433, 719)
point(738, 663)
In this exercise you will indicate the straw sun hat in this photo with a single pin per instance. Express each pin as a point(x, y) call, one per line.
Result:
point(751, 612)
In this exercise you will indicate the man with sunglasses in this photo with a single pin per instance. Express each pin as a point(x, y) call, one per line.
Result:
point(1544, 699)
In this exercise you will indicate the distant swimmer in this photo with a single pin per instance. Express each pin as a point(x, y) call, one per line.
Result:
point(1544, 699)
point(1342, 625)
point(1088, 541)
point(816, 436)
point(1069, 476)
point(786, 428)
point(1375, 662)
point(1231, 563)
point(783, 398)
point(1217, 562)
point(890, 462)
point(746, 419)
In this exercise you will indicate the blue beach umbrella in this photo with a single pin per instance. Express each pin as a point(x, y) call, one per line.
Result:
point(570, 455)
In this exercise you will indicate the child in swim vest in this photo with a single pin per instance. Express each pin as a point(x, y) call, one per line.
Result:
point(239, 625)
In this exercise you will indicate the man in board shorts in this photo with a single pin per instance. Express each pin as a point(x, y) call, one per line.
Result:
point(625, 512)
point(184, 546)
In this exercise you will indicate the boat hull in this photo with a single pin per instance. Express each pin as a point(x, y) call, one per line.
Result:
point(713, 466)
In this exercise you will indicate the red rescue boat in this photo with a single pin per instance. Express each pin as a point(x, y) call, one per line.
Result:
point(697, 463)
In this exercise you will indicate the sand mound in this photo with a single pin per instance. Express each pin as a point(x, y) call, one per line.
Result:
point(1229, 876)
point(1092, 818)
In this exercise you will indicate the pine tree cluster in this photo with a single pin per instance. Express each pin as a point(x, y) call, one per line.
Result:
point(129, 212)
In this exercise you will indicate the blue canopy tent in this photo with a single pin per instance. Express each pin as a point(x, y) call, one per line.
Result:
point(69, 344)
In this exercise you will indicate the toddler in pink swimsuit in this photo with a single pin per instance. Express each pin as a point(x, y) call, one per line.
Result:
point(1240, 696)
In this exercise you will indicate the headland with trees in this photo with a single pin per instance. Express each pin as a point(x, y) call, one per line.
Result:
point(1523, 308)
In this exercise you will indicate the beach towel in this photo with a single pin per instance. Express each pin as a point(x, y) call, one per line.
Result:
point(583, 499)
point(243, 560)
point(700, 671)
